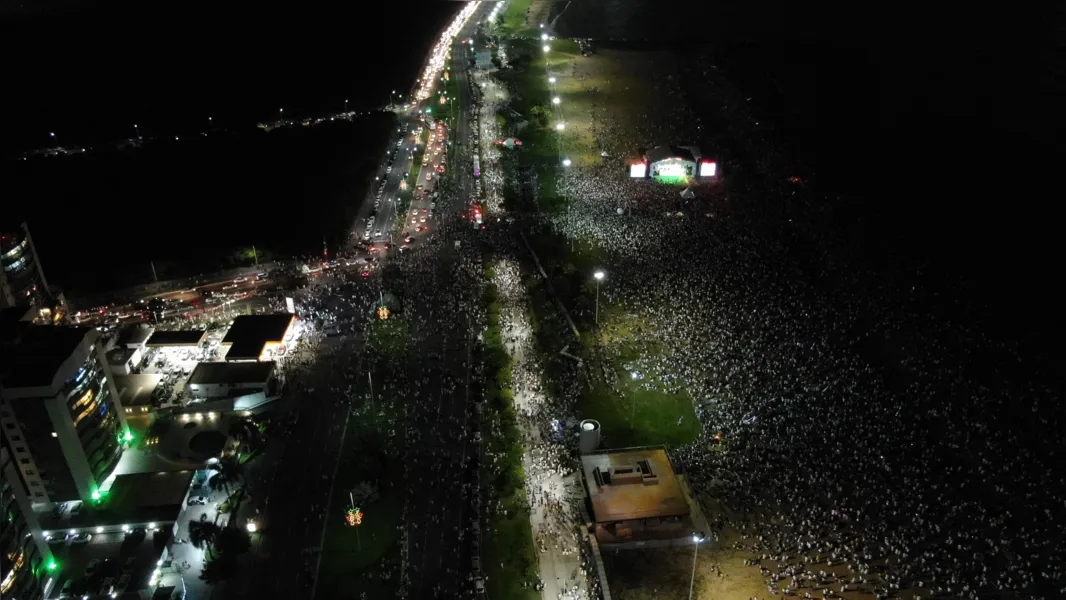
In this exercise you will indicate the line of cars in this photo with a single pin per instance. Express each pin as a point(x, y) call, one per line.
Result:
point(108, 577)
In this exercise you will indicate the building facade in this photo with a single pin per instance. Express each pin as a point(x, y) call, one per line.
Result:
point(22, 279)
point(27, 566)
point(60, 413)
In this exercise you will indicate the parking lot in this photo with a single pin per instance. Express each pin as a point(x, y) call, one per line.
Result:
point(110, 563)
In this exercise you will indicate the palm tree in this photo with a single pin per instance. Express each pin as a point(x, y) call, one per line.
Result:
point(229, 543)
point(228, 470)
point(202, 535)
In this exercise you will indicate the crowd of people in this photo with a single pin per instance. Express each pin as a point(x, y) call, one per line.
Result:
point(861, 448)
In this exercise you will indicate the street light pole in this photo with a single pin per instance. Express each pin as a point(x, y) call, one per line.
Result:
point(598, 276)
point(692, 580)
point(371, 380)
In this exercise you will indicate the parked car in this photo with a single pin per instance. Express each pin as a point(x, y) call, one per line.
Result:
point(81, 538)
point(91, 567)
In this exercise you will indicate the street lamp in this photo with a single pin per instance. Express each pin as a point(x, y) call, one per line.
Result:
point(551, 79)
point(567, 162)
point(345, 105)
point(546, 47)
point(556, 100)
point(281, 113)
point(544, 37)
point(560, 126)
point(136, 134)
point(696, 539)
point(598, 276)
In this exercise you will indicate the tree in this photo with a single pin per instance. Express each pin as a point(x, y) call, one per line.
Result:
point(229, 543)
point(228, 471)
point(246, 432)
point(202, 535)
point(365, 494)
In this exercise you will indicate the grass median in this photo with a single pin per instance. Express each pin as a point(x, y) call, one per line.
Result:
point(625, 392)
point(355, 558)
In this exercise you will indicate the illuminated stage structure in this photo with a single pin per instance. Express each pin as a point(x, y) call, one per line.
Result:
point(673, 164)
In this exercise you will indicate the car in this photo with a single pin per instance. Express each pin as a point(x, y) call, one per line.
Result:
point(91, 568)
point(365, 273)
point(414, 221)
point(240, 280)
point(422, 220)
point(409, 239)
point(377, 233)
point(429, 176)
point(107, 586)
point(122, 583)
point(128, 566)
point(199, 500)
point(422, 228)
point(425, 210)
point(419, 186)
point(81, 538)
point(414, 213)
point(404, 248)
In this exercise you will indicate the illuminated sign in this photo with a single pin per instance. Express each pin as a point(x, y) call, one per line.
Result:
point(290, 306)
point(353, 517)
point(672, 169)
point(638, 171)
point(708, 169)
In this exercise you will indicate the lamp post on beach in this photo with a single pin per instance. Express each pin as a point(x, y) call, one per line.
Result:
point(598, 276)
point(696, 540)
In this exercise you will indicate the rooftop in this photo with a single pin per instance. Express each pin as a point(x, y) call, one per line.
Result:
point(232, 373)
point(32, 361)
point(135, 335)
point(136, 390)
point(664, 152)
point(249, 334)
point(147, 496)
point(191, 337)
point(632, 484)
point(120, 355)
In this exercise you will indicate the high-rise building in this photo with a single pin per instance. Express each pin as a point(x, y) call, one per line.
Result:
point(60, 413)
point(27, 566)
point(22, 281)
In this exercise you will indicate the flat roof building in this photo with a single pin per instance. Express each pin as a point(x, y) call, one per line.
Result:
point(135, 392)
point(251, 336)
point(60, 414)
point(176, 339)
point(229, 379)
point(634, 496)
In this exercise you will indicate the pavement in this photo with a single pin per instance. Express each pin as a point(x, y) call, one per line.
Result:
point(560, 560)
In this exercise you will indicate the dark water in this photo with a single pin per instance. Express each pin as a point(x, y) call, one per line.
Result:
point(88, 74)
point(934, 131)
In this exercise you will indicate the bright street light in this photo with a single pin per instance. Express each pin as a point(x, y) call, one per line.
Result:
point(598, 276)
point(560, 126)
point(696, 539)
point(556, 100)
point(547, 47)
point(544, 37)
point(551, 80)
point(566, 162)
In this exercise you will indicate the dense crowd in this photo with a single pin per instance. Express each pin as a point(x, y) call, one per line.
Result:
point(861, 447)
